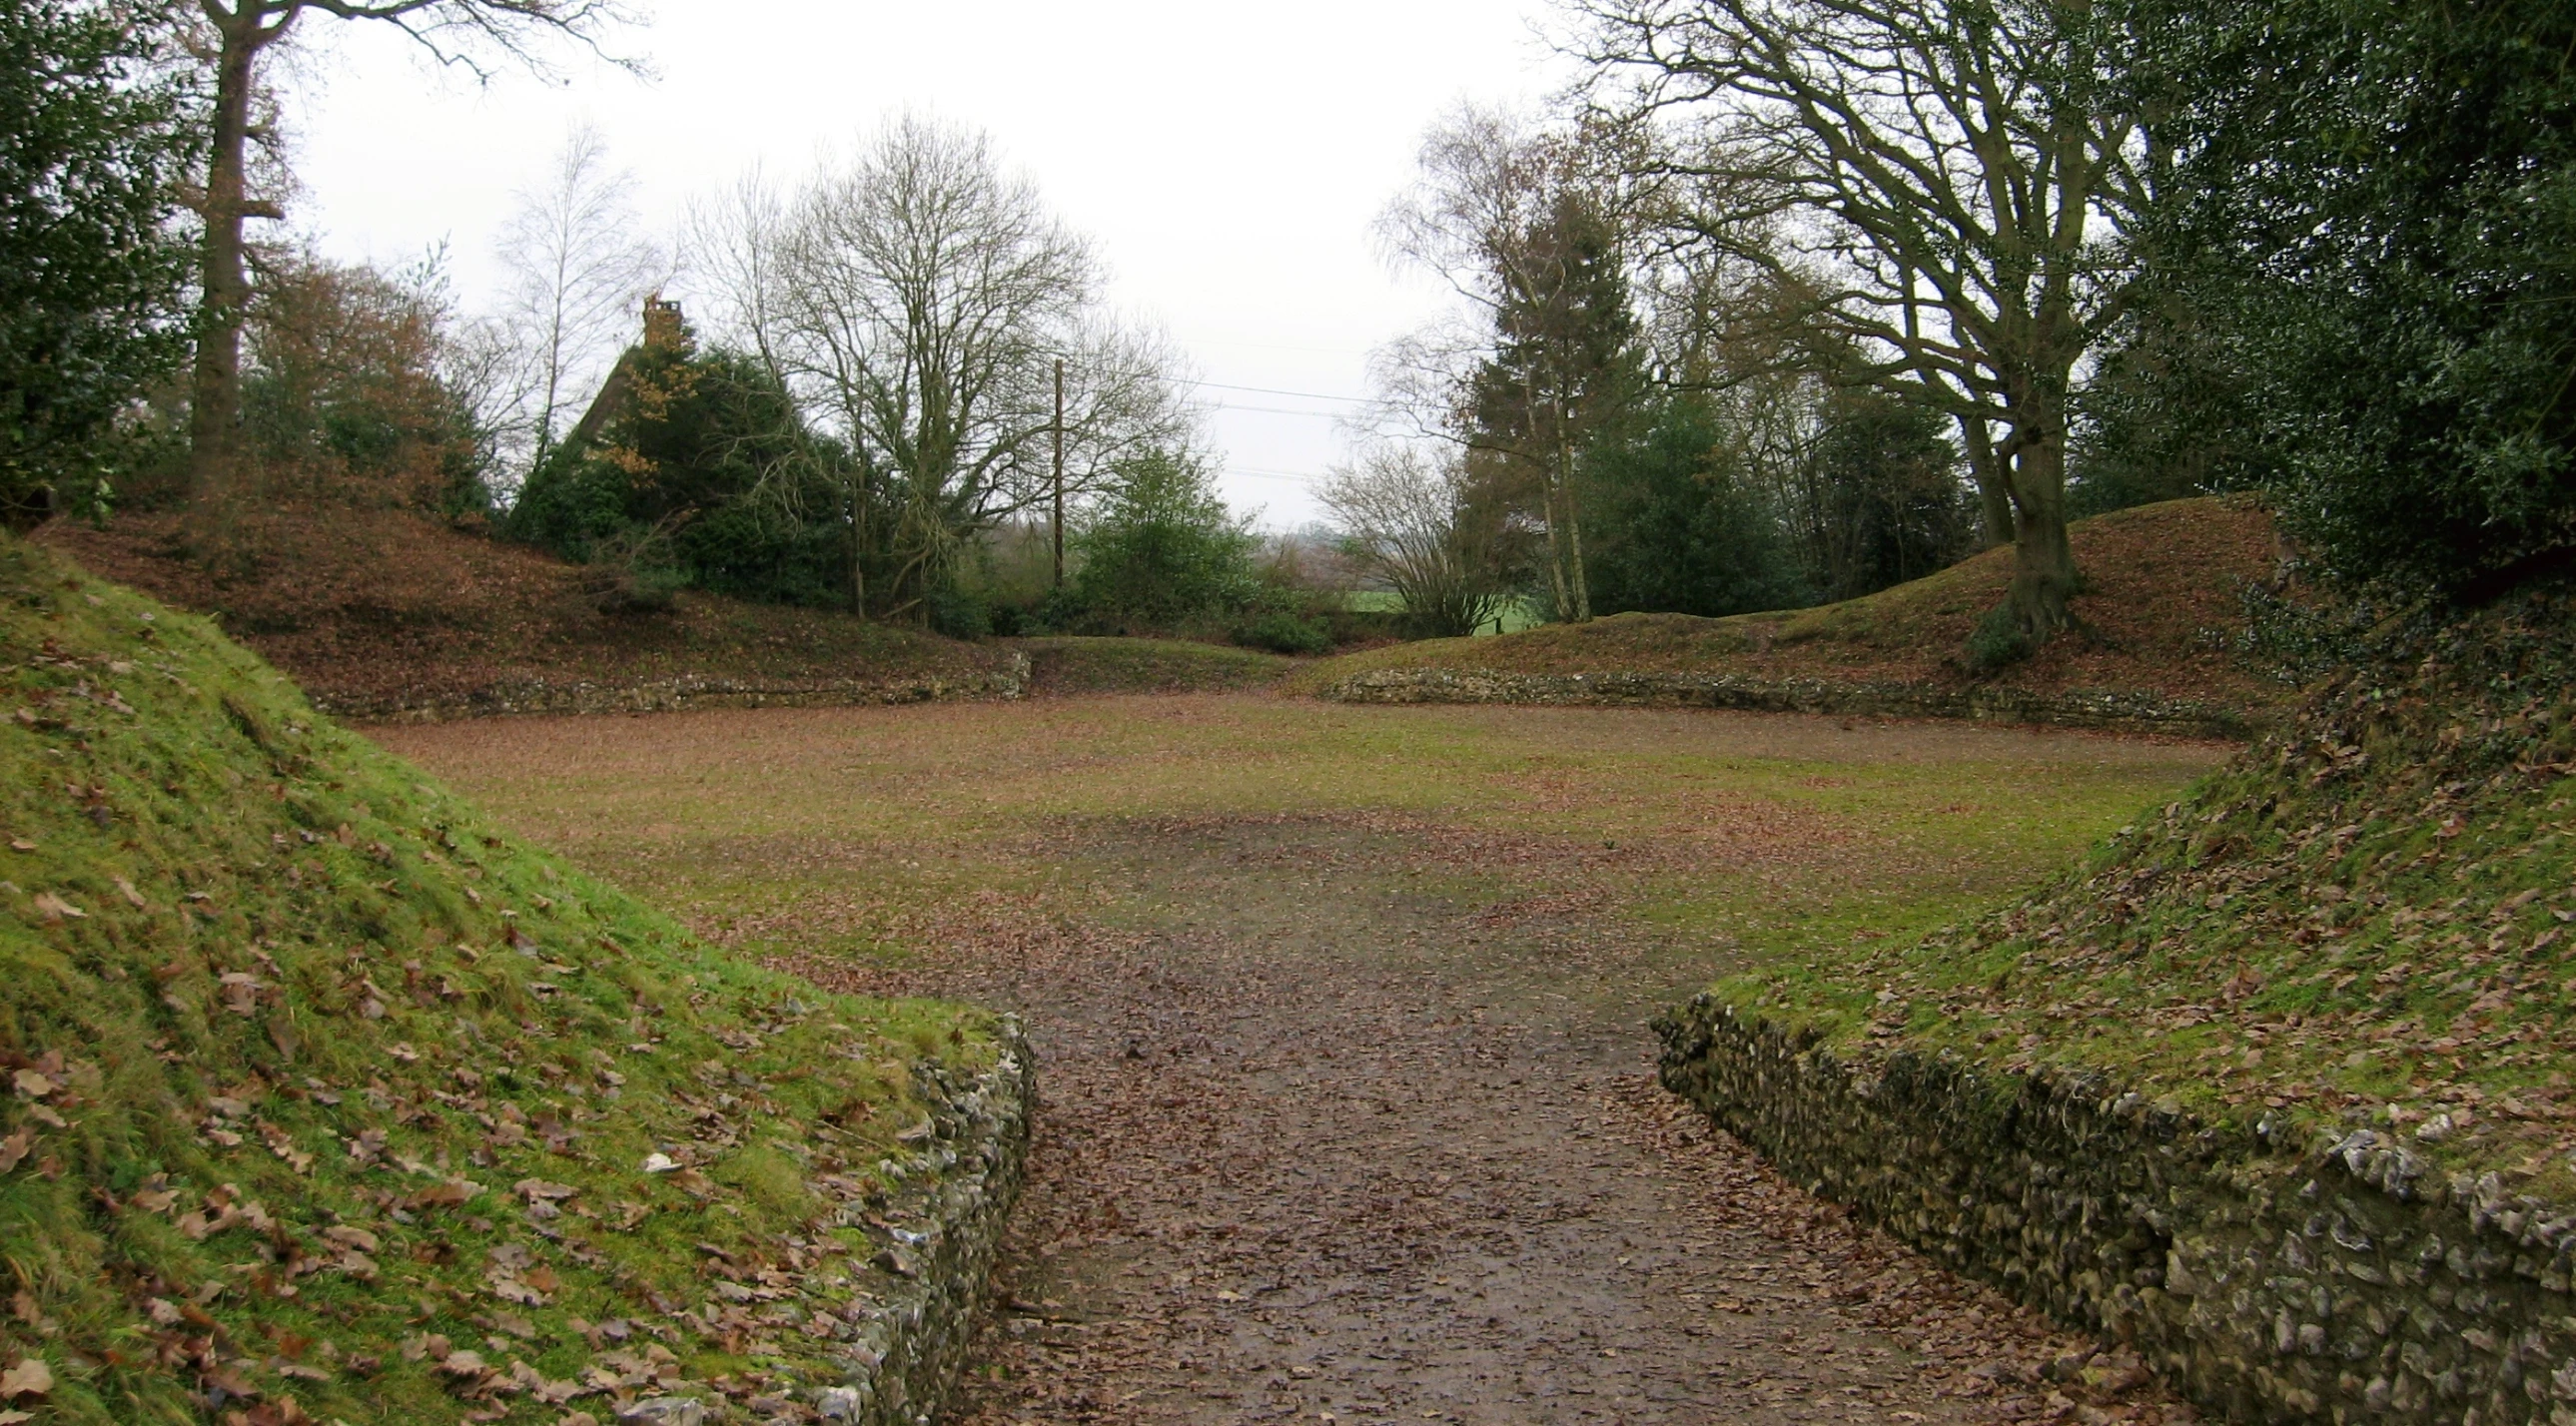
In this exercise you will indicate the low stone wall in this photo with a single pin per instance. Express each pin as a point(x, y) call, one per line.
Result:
point(543, 697)
point(2335, 1280)
point(2126, 712)
point(943, 1230)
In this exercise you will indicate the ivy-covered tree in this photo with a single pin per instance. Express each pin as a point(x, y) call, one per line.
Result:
point(1528, 224)
point(697, 464)
point(96, 139)
point(2371, 224)
point(1563, 372)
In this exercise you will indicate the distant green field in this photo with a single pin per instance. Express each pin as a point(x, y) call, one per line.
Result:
point(1518, 615)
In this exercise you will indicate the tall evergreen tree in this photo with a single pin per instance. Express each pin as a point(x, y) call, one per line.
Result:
point(1564, 370)
point(1684, 526)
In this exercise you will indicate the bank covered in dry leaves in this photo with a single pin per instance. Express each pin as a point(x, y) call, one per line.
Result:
point(2276, 1088)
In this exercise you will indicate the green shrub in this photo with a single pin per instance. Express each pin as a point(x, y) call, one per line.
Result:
point(97, 140)
point(1163, 550)
point(1283, 633)
point(2367, 233)
point(1997, 643)
point(631, 573)
point(960, 613)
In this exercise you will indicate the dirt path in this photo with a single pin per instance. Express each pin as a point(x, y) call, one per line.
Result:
point(1316, 1147)
point(1348, 1109)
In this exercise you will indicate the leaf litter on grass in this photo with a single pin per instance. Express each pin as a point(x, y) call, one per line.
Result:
point(1334, 1005)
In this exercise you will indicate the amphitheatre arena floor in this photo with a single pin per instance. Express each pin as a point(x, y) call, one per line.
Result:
point(1348, 1110)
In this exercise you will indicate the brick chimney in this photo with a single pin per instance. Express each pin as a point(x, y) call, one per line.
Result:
point(663, 328)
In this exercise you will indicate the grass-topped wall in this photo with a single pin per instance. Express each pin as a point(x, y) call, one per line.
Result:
point(2279, 1083)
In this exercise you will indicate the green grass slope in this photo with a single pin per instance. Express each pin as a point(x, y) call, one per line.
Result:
point(2368, 919)
point(2160, 604)
point(327, 1102)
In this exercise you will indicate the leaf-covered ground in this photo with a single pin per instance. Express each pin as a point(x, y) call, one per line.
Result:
point(328, 1100)
point(369, 607)
point(1068, 665)
point(2366, 920)
point(2161, 610)
point(1349, 1105)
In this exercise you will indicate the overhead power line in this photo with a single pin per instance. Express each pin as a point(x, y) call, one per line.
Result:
point(1279, 411)
point(1276, 391)
point(1257, 473)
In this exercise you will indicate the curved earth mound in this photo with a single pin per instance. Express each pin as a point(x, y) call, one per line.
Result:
point(2160, 614)
point(329, 1102)
point(384, 614)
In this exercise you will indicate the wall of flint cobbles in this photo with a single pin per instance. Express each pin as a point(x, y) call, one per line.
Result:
point(953, 1199)
point(2126, 712)
point(2336, 1279)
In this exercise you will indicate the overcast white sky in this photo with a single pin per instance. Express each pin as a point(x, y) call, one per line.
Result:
point(1227, 158)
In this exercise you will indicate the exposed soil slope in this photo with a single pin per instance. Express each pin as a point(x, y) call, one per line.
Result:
point(379, 613)
point(2159, 610)
point(2364, 921)
point(333, 1103)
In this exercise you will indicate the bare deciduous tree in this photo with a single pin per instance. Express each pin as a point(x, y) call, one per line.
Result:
point(1527, 225)
point(918, 300)
point(470, 33)
point(1946, 175)
point(1407, 522)
point(578, 271)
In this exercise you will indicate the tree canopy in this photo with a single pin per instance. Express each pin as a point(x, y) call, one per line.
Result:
point(2367, 249)
point(97, 136)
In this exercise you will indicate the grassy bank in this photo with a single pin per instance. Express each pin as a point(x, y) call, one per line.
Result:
point(2364, 920)
point(373, 609)
point(2159, 614)
point(335, 1102)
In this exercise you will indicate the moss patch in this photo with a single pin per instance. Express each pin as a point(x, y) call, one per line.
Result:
point(2369, 919)
point(333, 1102)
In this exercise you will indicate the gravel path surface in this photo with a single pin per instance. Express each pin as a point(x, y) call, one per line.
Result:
point(1317, 1146)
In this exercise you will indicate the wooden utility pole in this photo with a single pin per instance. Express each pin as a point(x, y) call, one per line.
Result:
point(1059, 473)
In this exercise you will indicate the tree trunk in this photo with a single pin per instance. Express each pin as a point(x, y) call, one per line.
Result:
point(214, 399)
point(861, 500)
point(1994, 491)
point(2043, 558)
point(1555, 549)
point(1574, 542)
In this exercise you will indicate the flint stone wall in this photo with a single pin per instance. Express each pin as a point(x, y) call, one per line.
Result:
point(546, 697)
point(955, 1193)
point(2337, 1280)
point(2126, 712)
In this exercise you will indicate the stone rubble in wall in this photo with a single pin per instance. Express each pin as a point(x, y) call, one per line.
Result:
point(542, 698)
point(2340, 1280)
point(2130, 712)
point(905, 1361)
